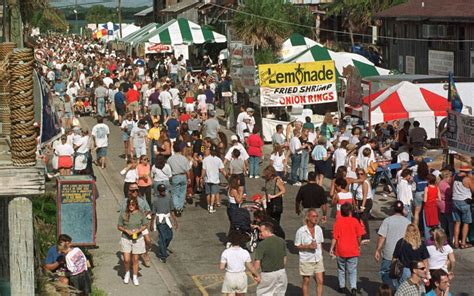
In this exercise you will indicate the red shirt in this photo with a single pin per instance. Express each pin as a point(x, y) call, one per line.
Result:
point(254, 145)
point(132, 96)
point(184, 117)
point(346, 232)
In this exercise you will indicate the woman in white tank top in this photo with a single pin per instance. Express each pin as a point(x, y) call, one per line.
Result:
point(363, 195)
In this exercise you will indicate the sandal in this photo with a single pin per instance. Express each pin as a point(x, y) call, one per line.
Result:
point(466, 246)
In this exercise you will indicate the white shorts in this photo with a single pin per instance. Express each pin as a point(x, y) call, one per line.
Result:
point(234, 282)
point(273, 283)
point(140, 150)
point(189, 107)
point(135, 247)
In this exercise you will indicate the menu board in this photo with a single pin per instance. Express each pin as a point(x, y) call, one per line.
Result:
point(76, 209)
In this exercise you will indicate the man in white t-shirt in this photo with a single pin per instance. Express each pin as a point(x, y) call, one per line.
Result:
point(236, 145)
point(212, 165)
point(340, 155)
point(100, 134)
point(107, 80)
point(308, 240)
point(166, 101)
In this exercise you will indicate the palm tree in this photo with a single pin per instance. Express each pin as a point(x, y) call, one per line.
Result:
point(262, 23)
point(358, 14)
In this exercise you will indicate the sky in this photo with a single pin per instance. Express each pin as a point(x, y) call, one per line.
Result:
point(110, 3)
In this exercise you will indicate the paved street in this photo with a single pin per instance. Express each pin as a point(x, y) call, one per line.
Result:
point(192, 269)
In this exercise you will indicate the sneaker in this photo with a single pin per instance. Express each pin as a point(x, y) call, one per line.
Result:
point(126, 278)
point(212, 210)
point(208, 208)
point(163, 260)
point(135, 280)
point(365, 242)
point(256, 177)
point(251, 177)
point(297, 184)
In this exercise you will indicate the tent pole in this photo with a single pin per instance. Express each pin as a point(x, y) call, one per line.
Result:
point(370, 109)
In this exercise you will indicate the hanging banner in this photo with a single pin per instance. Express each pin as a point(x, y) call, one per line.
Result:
point(297, 84)
point(460, 134)
point(157, 48)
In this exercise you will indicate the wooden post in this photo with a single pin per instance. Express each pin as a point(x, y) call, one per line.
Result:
point(16, 26)
point(4, 257)
point(20, 219)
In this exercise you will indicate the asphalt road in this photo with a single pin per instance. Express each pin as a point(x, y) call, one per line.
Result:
point(192, 268)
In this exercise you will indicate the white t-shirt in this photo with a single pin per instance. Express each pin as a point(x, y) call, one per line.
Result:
point(139, 136)
point(243, 153)
point(359, 188)
point(101, 133)
point(131, 175)
point(201, 99)
point(295, 144)
point(339, 158)
point(64, 150)
point(303, 237)
point(278, 161)
point(165, 99)
point(360, 154)
point(175, 96)
point(212, 165)
point(438, 260)
point(82, 143)
point(235, 258)
point(107, 81)
point(161, 175)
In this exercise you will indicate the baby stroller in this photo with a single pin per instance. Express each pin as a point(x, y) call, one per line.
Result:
point(241, 221)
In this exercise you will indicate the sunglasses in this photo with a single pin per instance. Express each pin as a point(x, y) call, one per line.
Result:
point(360, 174)
point(422, 268)
point(132, 190)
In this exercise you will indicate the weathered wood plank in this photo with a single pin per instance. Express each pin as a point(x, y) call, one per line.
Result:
point(15, 181)
point(20, 222)
point(4, 257)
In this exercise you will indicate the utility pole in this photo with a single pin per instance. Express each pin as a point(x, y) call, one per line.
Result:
point(119, 8)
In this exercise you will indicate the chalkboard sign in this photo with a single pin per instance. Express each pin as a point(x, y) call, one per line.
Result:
point(76, 209)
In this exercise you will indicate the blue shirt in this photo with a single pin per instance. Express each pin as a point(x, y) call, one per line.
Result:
point(432, 293)
point(319, 152)
point(209, 96)
point(172, 125)
point(53, 255)
point(119, 99)
point(420, 184)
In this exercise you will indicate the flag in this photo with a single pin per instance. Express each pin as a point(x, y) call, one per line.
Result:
point(453, 95)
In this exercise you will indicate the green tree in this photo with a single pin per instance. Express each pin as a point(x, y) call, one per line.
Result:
point(302, 19)
point(100, 14)
point(258, 23)
point(357, 15)
point(39, 13)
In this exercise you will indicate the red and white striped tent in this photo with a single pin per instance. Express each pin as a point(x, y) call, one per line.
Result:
point(402, 101)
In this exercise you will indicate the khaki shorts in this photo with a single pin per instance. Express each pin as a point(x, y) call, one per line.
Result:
point(135, 247)
point(235, 282)
point(133, 107)
point(311, 268)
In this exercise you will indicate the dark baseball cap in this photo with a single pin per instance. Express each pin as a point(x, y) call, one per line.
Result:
point(161, 187)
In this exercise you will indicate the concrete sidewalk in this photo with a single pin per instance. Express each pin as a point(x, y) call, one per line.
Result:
point(108, 270)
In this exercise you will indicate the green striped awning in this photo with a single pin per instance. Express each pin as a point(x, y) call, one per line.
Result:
point(183, 31)
point(143, 30)
point(341, 59)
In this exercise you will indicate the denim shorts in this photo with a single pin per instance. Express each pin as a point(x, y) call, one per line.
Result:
point(101, 152)
point(462, 212)
point(418, 199)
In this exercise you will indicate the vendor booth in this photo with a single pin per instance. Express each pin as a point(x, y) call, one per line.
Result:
point(403, 101)
point(174, 36)
point(286, 88)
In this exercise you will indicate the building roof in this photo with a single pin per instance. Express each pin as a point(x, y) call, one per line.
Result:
point(181, 6)
point(430, 9)
point(144, 12)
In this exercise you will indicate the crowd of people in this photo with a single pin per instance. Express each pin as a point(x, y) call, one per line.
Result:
point(174, 148)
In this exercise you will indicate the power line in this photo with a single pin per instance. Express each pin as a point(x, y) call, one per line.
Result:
point(340, 32)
